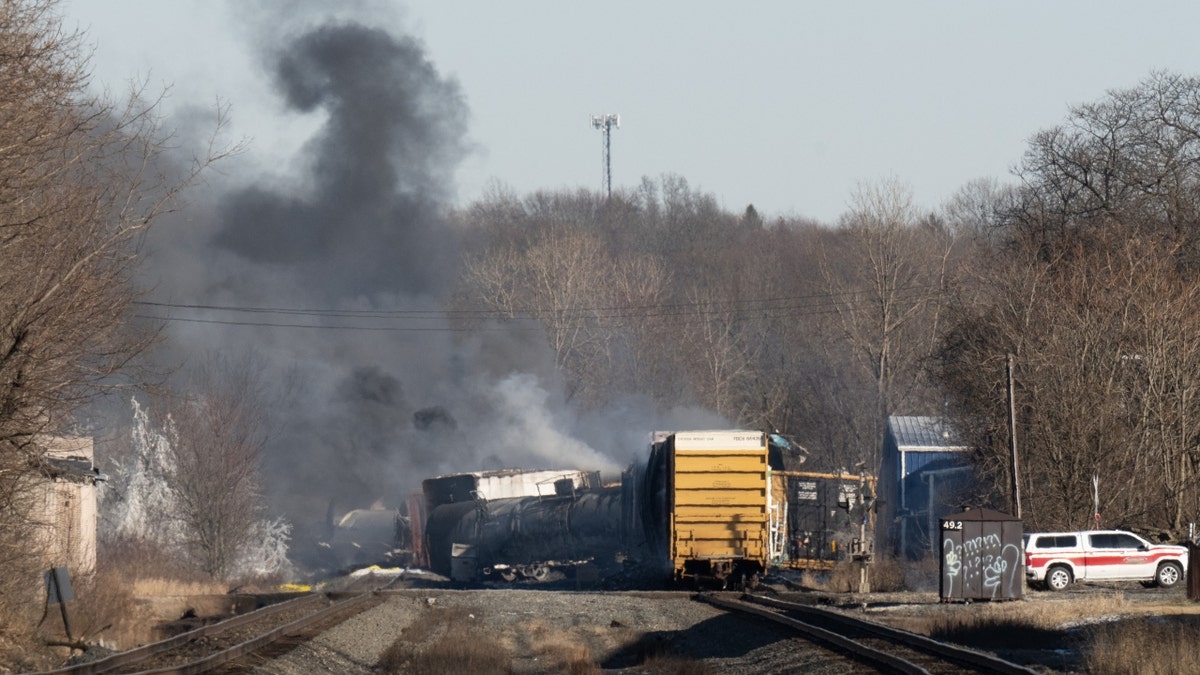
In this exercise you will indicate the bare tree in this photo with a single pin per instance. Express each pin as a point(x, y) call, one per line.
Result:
point(1132, 156)
point(1090, 281)
point(579, 292)
point(722, 352)
point(79, 185)
point(1104, 335)
point(887, 277)
point(217, 433)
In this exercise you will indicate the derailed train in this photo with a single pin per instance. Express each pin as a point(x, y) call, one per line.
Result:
point(702, 506)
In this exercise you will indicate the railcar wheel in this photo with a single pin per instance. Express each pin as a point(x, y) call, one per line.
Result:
point(540, 573)
point(508, 574)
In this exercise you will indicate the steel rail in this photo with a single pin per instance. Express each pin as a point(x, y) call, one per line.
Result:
point(874, 656)
point(147, 651)
point(974, 658)
point(213, 661)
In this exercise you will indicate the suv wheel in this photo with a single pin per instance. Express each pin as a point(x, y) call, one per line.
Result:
point(1168, 574)
point(1058, 578)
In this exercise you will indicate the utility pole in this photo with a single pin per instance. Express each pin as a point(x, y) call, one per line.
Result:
point(1012, 441)
point(607, 123)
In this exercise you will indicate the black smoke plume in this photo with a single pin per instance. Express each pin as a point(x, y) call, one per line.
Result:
point(332, 268)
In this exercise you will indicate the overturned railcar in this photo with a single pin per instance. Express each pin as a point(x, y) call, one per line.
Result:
point(696, 510)
point(706, 507)
point(523, 536)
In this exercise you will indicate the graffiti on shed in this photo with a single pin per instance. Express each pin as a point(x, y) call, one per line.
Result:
point(981, 556)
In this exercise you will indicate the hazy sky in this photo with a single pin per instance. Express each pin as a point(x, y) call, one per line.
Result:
point(785, 104)
point(356, 136)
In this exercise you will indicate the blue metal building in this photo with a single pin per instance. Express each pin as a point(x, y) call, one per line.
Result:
point(923, 462)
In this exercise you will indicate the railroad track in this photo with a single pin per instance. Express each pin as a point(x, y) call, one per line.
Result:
point(210, 647)
point(889, 649)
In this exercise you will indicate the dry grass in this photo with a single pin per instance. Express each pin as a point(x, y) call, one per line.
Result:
point(1042, 624)
point(885, 575)
point(159, 587)
point(563, 650)
point(658, 658)
point(34, 636)
point(455, 640)
point(1143, 646)
point(151, 572)
point(1113, 635)
point(446, 642)
point(21, 649)
point(103, 609)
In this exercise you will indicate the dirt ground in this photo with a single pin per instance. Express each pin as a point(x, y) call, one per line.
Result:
point(547, 628)
point(554, 627)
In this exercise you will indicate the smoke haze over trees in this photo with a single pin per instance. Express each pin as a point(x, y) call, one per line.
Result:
point(554, 329)
point(404, 337)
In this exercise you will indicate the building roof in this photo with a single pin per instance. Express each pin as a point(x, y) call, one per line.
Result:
point(72, 470)
point(918, 433)
point(985, 514)
point(69, 458)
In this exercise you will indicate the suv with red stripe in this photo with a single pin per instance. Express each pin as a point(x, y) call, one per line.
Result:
point(1055, 559)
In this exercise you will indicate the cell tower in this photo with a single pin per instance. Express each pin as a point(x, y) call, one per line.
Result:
point(607, 123)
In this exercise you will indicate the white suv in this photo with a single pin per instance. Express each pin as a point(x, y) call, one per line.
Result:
point(1055, 559)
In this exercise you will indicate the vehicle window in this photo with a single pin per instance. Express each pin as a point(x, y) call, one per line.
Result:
point(1055, 541)
point(1127, 541)
point(1112, 540)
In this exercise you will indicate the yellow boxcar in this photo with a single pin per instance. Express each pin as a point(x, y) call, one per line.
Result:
point(717, 491)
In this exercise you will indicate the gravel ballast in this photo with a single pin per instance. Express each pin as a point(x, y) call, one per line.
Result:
point(548, 631)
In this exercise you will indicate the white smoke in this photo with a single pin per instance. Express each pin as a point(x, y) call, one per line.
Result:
point(528, 426)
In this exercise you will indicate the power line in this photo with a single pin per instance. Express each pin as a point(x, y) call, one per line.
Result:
point(787, 307)
point(606, 311)
point(259, 324)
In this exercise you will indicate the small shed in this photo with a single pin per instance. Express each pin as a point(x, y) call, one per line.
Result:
point(66, 507)
point(982, 556)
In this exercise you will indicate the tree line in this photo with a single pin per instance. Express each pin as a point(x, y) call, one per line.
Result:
point(1083, 270)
